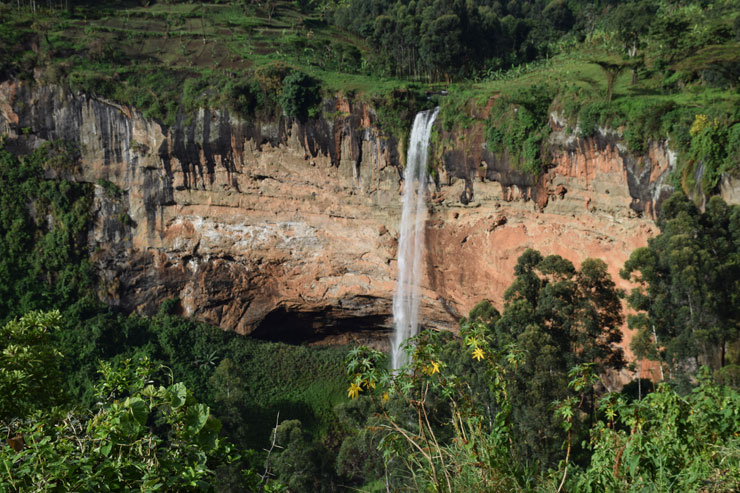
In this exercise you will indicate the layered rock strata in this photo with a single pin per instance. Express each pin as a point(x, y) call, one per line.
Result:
point(289, 230)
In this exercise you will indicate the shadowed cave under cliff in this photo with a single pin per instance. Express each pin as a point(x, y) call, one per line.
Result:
point(324, 327)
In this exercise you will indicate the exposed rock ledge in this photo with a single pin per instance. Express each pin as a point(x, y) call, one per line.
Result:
point(289, 231)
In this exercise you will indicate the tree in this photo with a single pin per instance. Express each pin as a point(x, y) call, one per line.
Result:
point(688, 282)
point(559, 318)
point(665, 442)
point(30, 374)
point(303, 463)
point(559, 14)
point(670, 36)
point(483, 312)
point(43, 232)
point(632, 22)
point(612, 68)
point(722, 60)
point(300, 96)
point(441, 48)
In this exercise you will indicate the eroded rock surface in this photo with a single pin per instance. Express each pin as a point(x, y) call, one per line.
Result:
point(289, 231)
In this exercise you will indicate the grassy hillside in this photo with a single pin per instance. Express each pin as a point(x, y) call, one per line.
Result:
point(655, 70)
point(166, 58)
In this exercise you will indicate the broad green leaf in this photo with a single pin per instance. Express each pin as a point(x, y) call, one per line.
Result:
point(105, 449)
point(209, 434)
point(128, 425)
point(177, 394)
point(196, 418)
point(139, 409)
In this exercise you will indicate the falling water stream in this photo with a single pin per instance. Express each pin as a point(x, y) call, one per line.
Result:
point(411, 236)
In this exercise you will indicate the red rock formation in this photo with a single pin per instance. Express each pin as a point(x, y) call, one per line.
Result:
point(290, 231)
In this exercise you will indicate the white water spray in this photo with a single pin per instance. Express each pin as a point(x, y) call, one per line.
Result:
point(411, 240)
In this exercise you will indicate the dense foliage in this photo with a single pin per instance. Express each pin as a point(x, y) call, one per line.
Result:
point(43, 232)
point(300, 96)
point(559, 318)
point(688, 285)
point(515, 402)
point(440, 38)
point(250, 386)
point(30, 373)
point(439, 434)
point(138, 437)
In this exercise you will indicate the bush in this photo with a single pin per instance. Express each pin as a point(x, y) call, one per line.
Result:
point(590, 117)
point(300, 97)
point(43, 233)
point(715, 146)
point(245, 97)
point(519, 124)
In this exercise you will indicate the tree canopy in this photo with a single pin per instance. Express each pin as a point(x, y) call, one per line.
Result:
point(559, 317)
point(689, 282)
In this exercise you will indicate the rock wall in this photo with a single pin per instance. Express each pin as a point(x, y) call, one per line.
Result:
point(289, 231)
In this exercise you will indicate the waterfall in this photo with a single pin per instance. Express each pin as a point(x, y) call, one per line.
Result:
point(411, 236)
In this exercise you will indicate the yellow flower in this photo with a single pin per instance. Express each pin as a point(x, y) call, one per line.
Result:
point(369, 384)
point(386, 397)
point(353, 390)
point(478, 354)
point(431, 368)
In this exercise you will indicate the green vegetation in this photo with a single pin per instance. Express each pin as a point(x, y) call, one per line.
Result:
point(139, 437)
point(514, 402)
point(257, 379)
point(687, 286)
point(169, 58)
point(300, 96)
point(437, 40)
point(558, 318)
point(646, 68)
point(440, 433)
point(246, 385)
point(94, 399)
point(43, 232)
point(30, 373)
point(519, 126)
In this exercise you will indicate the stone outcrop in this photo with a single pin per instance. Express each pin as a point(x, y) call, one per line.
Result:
point(289, 230)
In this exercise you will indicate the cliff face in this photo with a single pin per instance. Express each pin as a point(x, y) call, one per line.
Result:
point(289, 230)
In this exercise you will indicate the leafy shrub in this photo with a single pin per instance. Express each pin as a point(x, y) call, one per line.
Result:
point(301, 96)
point(716, 147)
point(519, 125)
point(590, 117)
point(139, 437)
point(430, 418)
point(666, 442)
point(30, 365)
point(245, 97)
point(397, 110)
point(111, 190)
